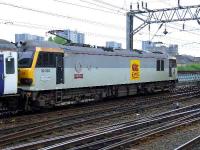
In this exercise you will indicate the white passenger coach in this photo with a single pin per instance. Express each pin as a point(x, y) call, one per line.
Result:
point(8, 68)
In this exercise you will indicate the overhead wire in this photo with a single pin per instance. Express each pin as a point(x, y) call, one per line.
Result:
point(62, 16)
point(111, 5)
point(100, 5)
point(168, 38)
point(104, 6)
point(118, 7)
point(44, 27)
point(112, 11)
point(58, 15)
point(170, 26)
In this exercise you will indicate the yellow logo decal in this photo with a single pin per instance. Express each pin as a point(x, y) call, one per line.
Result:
point(135, 70)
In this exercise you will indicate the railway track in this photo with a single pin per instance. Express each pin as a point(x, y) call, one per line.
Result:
point(85, 106)
point(108, 103)
point(28, 121)
point(118, 135)
point(190, 144)
point(5, 115)
point(27, 131)
point(21, 119)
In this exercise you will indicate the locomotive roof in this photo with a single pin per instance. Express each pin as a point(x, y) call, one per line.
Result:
point(123, 52)
point(6, 45)
point(32, 44)
point(90, 50)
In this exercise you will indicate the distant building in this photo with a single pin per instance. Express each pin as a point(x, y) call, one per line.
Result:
point(147, 45)
point(25, 37)
point(172, 50)
point(197, 60)
point(74, 36)
point(153, 46)
point(112, 44)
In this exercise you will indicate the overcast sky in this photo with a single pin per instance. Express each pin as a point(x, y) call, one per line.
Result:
point(100, 20)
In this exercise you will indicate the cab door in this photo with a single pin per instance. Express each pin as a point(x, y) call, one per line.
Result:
point(1, 75)
point(172, 69)
point(59, 69)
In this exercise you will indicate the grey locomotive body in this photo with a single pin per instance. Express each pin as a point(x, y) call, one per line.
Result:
point(78, 74)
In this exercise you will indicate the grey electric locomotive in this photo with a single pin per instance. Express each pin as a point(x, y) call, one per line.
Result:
point(59, 75)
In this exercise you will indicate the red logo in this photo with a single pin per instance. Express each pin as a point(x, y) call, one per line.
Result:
point(78, 76)
point(135, 67)
point(78, 67)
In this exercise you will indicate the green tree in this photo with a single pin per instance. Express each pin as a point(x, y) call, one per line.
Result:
point(57, 40)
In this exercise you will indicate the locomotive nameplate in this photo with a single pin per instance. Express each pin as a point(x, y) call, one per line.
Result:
point(134, 69)
point(45, 70)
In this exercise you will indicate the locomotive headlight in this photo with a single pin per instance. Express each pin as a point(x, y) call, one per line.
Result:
point(26, 81)
point(25, 76)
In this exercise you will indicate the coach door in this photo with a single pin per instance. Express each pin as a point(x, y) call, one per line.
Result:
point(170, 68)
point(59, 69)
point(10, 79)
point(1, 75)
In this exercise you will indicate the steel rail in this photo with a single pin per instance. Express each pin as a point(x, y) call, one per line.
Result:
point(136, 139)
point(122, 125)
point(110, 142)
point(11, 138)
point(117, 132)
point(61, 119)
point(190, 144)
point(40, 122)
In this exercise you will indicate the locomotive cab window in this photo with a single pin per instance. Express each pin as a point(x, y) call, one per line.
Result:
point(47, 59)
point(10, 65)
point(25, 59)
point(160, 65)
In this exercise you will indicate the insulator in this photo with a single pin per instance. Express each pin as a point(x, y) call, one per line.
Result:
point(165, 31)
point(183, 26)
point(131, 6)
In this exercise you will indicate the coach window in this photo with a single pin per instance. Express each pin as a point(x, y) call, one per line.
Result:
point(10, 65)
point(158, 65)
point(162, 65)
